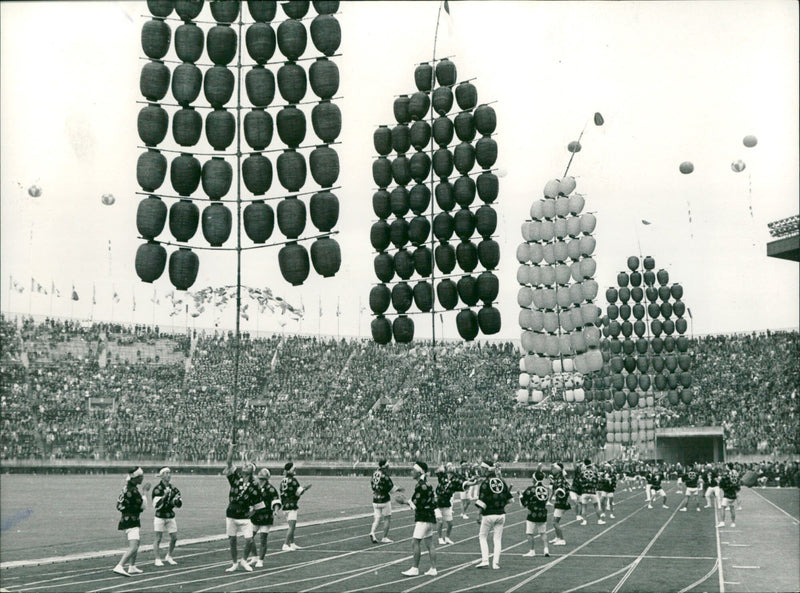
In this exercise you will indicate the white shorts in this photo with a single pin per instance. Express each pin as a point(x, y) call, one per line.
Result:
point(261, 529)
point(587, 498)
point(531, 527)
point(573, 496)
point(132, 533)
point(168, 525)
point(444, 514)
point(382, 509)
point(692, 491)
point(728, 502)
point(558, 513)
point(423, 530)
point(291, 515)
point(473, 492)
point(234, 527)
point(659, 492)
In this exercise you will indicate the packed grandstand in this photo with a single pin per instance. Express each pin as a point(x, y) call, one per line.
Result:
point(73, 390)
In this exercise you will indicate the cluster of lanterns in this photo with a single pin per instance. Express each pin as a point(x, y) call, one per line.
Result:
point(644, 343)
point(558, 317)
point(216, 174)
point(630, 427)
point(401, 240)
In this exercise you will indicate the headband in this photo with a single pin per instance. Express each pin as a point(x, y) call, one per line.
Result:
point(136, 473)
point(419, 469)
point(164, 470)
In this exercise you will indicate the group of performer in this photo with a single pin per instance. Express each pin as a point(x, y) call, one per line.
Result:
point(253, 504)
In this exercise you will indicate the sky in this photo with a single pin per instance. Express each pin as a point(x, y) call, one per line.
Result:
point(674, 81)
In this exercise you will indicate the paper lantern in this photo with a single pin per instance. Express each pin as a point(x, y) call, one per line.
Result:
point(419, 230)
point(154, 80)
point(326, 119)
point(464, 191)
point(258, 128)
point(379, 298)
point(486, 152)
point(183, 267)
point(442, 131)
point(291, 124)
point(447, 294)
point(151, 258)
point(324, 165)
point(467, 324)
point(467, 255)
point(420, 164)
point(216, 176)
point(381, 330)
point(291, 217)
point(292, 38)
point(222, 43)
point(398, 232)
point(151, 168)
point(261, 42)
point(400, 109)
point(442, 100)
point(323, 75)
point(402, 297)
point(443, 226)
point(216, 223)
point(259, 85)
point(466, 96)
point(464, 126)
point(488, 286)
point(292, 82)
point(184, 173)
point(464, 222)
point(291, 170)
point(224, 11)
point(485, 119)
point(161, 8)
point(257, 174)
point(467, 290)
point(423, 261)
point(259, 221)
point(151, 216)
point(423, 296)
point(218, 85)
point(324, 207)
point(379, 235)
point(445, 257)
point(419, 198)
point(187, 125)
point(189, 42)
point(294, 264)
point(418, 105)
point(486, 221)
point(401, 170)
point(184, 217)
point(383, 265)
point(326, 34)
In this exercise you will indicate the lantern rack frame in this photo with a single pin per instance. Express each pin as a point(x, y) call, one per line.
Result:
point(178, 19)
point(434, 311)
point(245, 248)
point(474, 172)
point(424, 278)
point(236, 154)
point(238, 107)
point(244, 65)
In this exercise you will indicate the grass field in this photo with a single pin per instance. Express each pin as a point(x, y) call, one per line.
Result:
point(641, 550)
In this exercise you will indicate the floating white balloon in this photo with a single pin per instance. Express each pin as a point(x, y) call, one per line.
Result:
point(738, 166)
point(34, 191)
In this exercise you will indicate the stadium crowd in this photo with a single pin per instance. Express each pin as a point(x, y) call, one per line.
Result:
point(107, 391)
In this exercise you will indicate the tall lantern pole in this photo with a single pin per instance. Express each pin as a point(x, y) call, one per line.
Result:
point(238, 226)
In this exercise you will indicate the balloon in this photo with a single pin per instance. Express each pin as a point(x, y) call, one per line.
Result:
point(34, 191)
point(738, 166)
point(686, 167)
point(598, 119)
point(574, 146)
point(749, 141)
point(108, 199)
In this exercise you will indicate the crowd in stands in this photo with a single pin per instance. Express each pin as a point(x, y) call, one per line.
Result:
point(107, 391)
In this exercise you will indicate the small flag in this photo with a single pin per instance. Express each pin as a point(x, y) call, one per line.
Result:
point(338, 310)
point(689, 311)
point(17, 286)
point(320, 307)
point(74, 293)
point(54, 290)
point(94, 295)
point(133, 295)
point(274, 361)
point(116, 297)
point(646, 222)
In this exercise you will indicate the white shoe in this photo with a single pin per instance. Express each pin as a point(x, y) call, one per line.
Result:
point(733, 524)
point(708, 506)
point(560, 542)
point(698, 509)
point(495, 567)
point(372, 538)
point(579, 518)
point(663, 506)
point(245, 565)
point(169, 560)
point(482, 564)
point(683, 510)
point(554, 540)
point(294, 547)
point(721, 524)
point(530, 554)
point(158, 562)
point(386, 540)
point(133, 570)
point(602, 515)
point(649, 506)
point(286, 548)
point(119, 569)
point(447, 540)
point(431, 572)
point(547, 553)
point(232, 568)
point(441, 541)
point(601, 522)
point(411, 572)
point(612, 516)
point(464, 516)
point(259, 564)
point(583, 522)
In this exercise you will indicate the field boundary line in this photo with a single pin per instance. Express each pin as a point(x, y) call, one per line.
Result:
point(638, 560)
point(149, 547)
point(764, 498)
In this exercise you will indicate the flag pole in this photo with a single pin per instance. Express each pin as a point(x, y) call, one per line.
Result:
point(238, 229)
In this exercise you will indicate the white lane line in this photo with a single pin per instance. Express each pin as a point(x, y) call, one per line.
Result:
point(762, 497)
point(149, 547)
point(719, 550)
point(702, 580)
point(746, 567)
point(600, 580)
point(638, 560)
point(737, 545)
